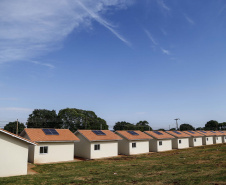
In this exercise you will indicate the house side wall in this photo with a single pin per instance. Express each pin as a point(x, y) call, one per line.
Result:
point(224, 139)
point(166, 145)
point(31, 153)
point(107, 149)
point(13, 156)
point(193, 143)
point(209, 142)
point(141, 147)
point(82, 148)
point(217, 139)
point(184, 143)
point(153, 145)
point(123, 147)
point(57, 152)
point(175, 143)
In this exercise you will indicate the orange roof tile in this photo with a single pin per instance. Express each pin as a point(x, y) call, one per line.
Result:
point(221, 132)
point(216, 133)
point(140, 136)
point(206, 133)
point(163, 134)
point(109, 135)
point(193, 133)
point(37, 135)
point(16, 136)
point(175, 133)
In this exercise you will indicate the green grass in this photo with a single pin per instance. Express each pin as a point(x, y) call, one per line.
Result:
point(202, 165)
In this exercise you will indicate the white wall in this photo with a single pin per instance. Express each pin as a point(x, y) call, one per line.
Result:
point(193, 143)
point(184, 143)
point(57, 152)
point(224, 139)
point(107, 149)
point(155, 147)
point(13, 156)
point(207, 142)
point(82, 148)
point(217, 139)
point(141, 147)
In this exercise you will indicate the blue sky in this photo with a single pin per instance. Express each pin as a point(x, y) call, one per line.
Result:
point(126, 60)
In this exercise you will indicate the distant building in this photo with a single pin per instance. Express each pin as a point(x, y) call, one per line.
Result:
point(95, 144)
point(54, 145)
point(181, 139)
point(161, 141)
point(195, 139)
point(207, 138)
point(13, 154)
point(217, 137)
point(133, 142)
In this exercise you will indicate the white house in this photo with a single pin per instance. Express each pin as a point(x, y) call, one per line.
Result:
point(133, 142)
point(207, 138)
point(161, 141)
point(195, 139)
point(217, 137)
point(13, 154)
point(54, 145)
point(223, 136)
point(181, 139)
point(95, 144)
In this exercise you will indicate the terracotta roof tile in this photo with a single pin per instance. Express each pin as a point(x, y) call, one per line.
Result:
point(163, 134)
point(140, 136)
point(18, 137)
point(109, 135)
point(37, 135)
point(175, 133)
point(193, 133)
point(206, 133)
point(221, 132)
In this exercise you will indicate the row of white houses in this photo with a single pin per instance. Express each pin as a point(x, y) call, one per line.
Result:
point(40, 146)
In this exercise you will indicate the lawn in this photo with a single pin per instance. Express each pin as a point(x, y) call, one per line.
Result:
point(201, 165)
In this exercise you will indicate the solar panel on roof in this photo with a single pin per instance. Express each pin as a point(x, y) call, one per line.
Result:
point(157, 132)
point(212, 131)
point(50, 131)
point(202, 131)
point(176, 132)
point(98, 132)
point(132, 132)
point(191, 132)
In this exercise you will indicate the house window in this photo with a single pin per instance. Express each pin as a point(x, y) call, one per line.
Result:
point(134, 145)
point(43, 150)
point(160, 143)
point(217, 138)
point(207, 139)
point(195, 140)
point(179, 141)
point(97, 147)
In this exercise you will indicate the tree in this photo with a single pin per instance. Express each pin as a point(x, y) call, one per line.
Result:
point(199, 128)
point(11, 127)
point(186, 126)
point(42, 118)
point(143, 126)
point(211, 125)
point(123, 125)
point(74, 119)
point(161, 129)
point(222, 126)
point(173, 129)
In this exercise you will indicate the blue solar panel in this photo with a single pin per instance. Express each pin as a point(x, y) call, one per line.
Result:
point(157, 132)
point(191, 132)
point(220, 131)
point(212, 131)
point(98, 132)
point(50, 131)
point(176, 132)
point(132, 132)
point(202, 131)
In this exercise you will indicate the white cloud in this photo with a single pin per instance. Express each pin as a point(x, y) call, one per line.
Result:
point(150, 37)
point(33, 28)
point(43, 64)
point(167, 52)
point(189, 19)
point(163, 5)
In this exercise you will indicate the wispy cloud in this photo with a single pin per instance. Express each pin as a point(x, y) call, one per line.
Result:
point(43, 64)
point(32, 28)
point(189, 19)
point(167, 52)
point(163, 5)
point(17, 109)
point(150, 37)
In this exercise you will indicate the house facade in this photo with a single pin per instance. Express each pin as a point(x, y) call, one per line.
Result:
point(54, 145)
point(96, 144)
point(161, 141)
point(223, 136)
point(217, 137)
point(181, 139)
point(133, 142)
point(195, 139)
point(14, 154)
point(207, 137)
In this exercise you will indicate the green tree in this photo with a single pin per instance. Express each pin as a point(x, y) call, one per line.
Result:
point(186, 126)
point(11, 127)
point(123, 125)
point(173, 129)
point(199, 128)
point(74, 119)
point(211, 125)
point(161, 129)
point(42, 118)
point(222, 126)
point(143, 126)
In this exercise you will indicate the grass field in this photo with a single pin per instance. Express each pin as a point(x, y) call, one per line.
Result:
point(202, 165)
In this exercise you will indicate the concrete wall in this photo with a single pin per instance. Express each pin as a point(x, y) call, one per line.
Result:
point(217, 139)
point(193, 143)
point(155, 147)
point(13, 156)
point(123, 147)
point(207, 140)
point(82, 148)
point(184, 143)
point(141, 147)
point(57, 152)
point(224, 139)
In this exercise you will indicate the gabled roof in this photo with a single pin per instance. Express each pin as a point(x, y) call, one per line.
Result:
point(37, 135)
point(193, 133)
point(178, 134)
point(216, 133)
point(91, 136)
point(140, 136)
point(17, 137)
point(221, 132)
point(162, 135)
point(206, 133)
